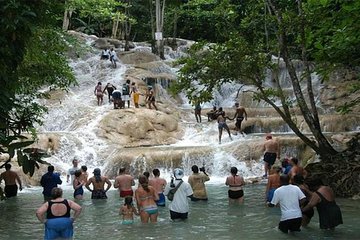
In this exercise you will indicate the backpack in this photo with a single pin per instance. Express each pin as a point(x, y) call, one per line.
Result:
point(125, 89)
point(171, 194)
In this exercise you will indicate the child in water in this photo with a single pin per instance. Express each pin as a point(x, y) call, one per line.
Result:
point(127, 211)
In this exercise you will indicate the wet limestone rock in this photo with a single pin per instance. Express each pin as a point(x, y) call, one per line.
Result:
point(136, 127)
point(137, 57)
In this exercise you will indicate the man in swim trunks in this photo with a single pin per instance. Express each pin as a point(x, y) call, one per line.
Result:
point(159, 185)
point(221, 119)
point(240, 115)
point(271, 150)
point(288, 196)
point(98, 182)
point(235, 183)
point(124, 182)
point(11, 178)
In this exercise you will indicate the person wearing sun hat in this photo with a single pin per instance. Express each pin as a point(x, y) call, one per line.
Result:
point(98, 182)
point(179, 206)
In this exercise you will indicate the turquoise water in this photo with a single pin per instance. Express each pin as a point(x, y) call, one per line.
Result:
point(212, 220)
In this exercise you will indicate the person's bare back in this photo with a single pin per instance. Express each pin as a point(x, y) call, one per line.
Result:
point(272, 146)
point(124, 182)
point(158, 184)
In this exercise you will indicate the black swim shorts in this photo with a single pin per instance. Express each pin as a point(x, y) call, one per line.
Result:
point(270, 158)
point(235, 194)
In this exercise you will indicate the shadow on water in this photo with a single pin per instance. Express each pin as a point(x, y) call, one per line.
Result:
point(214, 219)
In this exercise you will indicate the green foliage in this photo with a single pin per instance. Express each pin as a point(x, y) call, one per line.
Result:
point(33, 57)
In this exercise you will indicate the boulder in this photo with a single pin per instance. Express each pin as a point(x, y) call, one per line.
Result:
point(135, 127)
point(135, 57)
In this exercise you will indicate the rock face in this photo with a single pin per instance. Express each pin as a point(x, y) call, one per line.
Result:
point(136, 57)
point(137, 127)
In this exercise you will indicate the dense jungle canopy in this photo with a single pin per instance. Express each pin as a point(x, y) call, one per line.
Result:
point(237, 40)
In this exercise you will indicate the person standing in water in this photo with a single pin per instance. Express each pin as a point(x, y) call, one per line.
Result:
point(48, 181)
point(271, 150)
point(58, 221)
point(273, 183)
point(124, 182)
point(323, 198)
point(71, 172)
point(145, 197)
point(288, 196)
point(127, 211)
point(197, 182)
point(11, 178)
point(235, 183)
point(198, 111)
point(221, 119)
point(78, 185)
point(113, 57)
point(99, 94)
point(240, 115)
point(110, 89)
point(98, 182)
point(159, 185)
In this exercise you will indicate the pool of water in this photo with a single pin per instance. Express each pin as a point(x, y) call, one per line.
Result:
point(212, 220)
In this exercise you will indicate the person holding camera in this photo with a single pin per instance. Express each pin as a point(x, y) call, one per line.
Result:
point(197, 182)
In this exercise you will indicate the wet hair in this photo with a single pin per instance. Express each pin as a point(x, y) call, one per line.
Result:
point(84, 168)
point(51, 168)
point(56, 192)
point(146, 174)
point(284, 179)
point(122, 170)
point(233, 170)
point(144, 182)
point(284, 162)
point(7, 166)
point(295, 160)
point(195, 169)
point(128, 81)
point(75, 160)
point(156, 172)
point(77, 173)
point(298, 179)
point(99, 83)
point(214, 107)
point(220, 109)
point(276, 169)
point(128, 201)
point(237, 104)
point(133, 83)
point(314, 183)
point(97, 175)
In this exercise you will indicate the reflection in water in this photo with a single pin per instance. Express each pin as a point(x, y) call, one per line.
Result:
point(215, 219)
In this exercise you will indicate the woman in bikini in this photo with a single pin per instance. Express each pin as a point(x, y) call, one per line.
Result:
point(99, 94)
point(235, 183)
point(145, 197)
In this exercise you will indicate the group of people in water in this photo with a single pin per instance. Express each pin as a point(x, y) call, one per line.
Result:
point(109, 54)
point(287, 187)
point(120, 97)
point(220, 116)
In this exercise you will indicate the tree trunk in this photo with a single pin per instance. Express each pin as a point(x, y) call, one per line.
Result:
point(160, 10)
point(115, 27)
point(324, 147)
point(66, 20)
